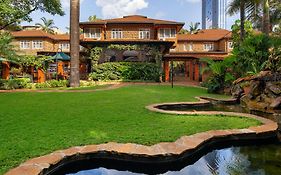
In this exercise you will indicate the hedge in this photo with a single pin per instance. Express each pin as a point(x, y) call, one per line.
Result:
point(125, 71)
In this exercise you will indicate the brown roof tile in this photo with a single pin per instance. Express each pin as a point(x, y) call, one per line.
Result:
point(32, 34)
point(206, 35)
point(136, 19)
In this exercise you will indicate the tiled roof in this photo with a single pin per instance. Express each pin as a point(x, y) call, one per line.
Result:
point(212, 55)
point(32, 34)
point(206, 35)
point(135, 19)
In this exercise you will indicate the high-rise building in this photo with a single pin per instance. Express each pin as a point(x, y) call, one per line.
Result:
point(214, 14)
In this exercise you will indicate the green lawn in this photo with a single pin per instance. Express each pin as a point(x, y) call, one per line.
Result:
point(34, 124)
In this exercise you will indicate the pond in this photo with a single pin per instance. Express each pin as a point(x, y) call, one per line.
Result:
point(248, 160)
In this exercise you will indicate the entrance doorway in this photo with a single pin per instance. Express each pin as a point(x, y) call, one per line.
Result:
point(180, 71)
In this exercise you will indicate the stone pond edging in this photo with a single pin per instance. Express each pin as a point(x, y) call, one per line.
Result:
point(185, 146)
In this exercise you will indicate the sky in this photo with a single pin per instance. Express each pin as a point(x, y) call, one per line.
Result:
point(177, 10)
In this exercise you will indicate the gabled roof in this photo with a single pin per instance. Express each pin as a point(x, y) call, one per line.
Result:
point(206, 35)
point(133, 19)
point(32, 34)
point(40, 34)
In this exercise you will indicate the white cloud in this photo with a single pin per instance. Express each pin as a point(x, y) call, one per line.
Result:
point(119, 8)
point(66, 3)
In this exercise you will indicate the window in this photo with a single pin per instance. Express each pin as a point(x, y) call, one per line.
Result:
point(208, 46)
point(92, 33)
point(230, 45)
point(64, 46)
point(190, 46)
point(144, 34)
point(116, 34)
point(37, 44)
point(24, 44)
point(168, 33)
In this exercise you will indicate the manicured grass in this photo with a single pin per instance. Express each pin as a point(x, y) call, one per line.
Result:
point(34, 124)
point(78, 88)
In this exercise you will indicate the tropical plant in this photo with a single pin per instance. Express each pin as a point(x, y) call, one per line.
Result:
point(248, 27)
point(93, 18)
point(7, 49)
point(47, 25)
point(74, 43)
point(251, 55)
point(13, 11)
point(221, 75)
point(194, 27)
point(183, 31)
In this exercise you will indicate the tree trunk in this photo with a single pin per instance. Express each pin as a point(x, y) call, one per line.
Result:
point(74, 42)
point(266, 18)
point(242, 20)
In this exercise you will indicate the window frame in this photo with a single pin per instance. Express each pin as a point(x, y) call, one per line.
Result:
point(23, 42)
point(144, 31)
point(35, 44)
point(64, 44)
point(170, 33)
point(92, 33)
point(116, 32)
point(207, 48)
point(230, 44)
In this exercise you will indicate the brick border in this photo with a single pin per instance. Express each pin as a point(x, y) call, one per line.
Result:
point(162, 152)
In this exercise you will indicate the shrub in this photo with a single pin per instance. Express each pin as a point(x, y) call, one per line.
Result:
point(17, 83)
point(52, 84)
point(125, 71)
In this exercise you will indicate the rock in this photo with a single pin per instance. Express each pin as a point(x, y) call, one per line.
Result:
point(274, 88)
point(276, 104)
point(256, 89)
point(237, 91)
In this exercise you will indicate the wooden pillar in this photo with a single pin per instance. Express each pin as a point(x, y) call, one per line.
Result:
point(191, 70)
point(41, 76)
point(167, 70)
point(6, 70)
point(186, 69)
point(196, 71)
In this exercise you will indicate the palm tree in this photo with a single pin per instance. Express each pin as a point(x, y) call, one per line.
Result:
point(48, 25)
point(93, 18)
point(234, 7)
point(194, 27)
point(74, 42)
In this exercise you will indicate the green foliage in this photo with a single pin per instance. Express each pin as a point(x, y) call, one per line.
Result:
point(13, 11)
point(95, 54)
point(17, 83)
point(48, 25)
point(52, 84)
point(251, 55)
point(274, 62)
point(7, 49)
point(221, 75)
point(123, 47)
point(125, 71)
point(249, 32)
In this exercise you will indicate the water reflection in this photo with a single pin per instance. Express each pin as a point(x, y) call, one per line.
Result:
point(252, 160)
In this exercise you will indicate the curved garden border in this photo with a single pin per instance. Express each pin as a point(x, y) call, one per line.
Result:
point(184, 147)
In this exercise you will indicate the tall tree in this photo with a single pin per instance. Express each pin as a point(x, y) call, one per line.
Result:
point(74, 42)
point(266, 17)
point(13, 11)
point(47, 25)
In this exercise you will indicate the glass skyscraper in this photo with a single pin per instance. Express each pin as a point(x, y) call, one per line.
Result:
point(214, 14)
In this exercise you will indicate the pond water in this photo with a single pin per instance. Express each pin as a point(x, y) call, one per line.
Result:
point(246, 160)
